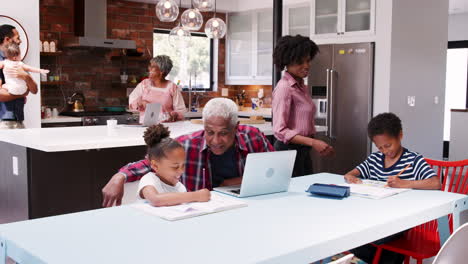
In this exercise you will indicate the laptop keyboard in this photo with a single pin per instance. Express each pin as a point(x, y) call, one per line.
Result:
point(236, 191)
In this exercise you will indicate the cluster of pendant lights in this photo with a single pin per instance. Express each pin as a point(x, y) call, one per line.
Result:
point(191, 19)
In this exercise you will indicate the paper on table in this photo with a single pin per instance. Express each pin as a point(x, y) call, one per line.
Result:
point(217, 203)
point(374, 189)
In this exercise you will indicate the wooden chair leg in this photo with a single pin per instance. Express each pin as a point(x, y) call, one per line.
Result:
point(378, 253)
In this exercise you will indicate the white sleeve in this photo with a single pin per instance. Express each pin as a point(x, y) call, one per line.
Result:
point(180, 187)
point(135, 96)
point(148, 180)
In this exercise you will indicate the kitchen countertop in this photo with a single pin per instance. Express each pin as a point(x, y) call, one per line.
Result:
point(94, 137)
point(265, 112)
point(61, 119)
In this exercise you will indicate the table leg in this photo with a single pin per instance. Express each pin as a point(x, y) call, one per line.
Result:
point(3, 256)
point(458, 207)
point(443, 224)
point(444, 230)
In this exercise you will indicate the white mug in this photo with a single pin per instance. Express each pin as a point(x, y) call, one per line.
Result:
point(123, 78)
point(48, 113)
point(54, 112)
point(111, 123)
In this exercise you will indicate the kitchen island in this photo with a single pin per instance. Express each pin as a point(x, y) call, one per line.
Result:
point(52, 171)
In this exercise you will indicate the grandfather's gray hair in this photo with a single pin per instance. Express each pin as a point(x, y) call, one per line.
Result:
point(164, 63)
point(221, 107)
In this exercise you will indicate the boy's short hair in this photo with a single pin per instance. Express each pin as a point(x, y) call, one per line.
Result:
point(12, 50)
point(385, 123)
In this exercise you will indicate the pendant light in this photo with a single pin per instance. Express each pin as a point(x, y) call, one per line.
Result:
point(167, 10)
point(179, 35)
point(192, 19)
point(215, 27)
point(204, 5)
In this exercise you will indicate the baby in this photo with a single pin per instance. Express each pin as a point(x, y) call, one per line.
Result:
point(14, 85)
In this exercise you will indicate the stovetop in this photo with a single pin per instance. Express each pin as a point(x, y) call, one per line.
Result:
point(93, 113)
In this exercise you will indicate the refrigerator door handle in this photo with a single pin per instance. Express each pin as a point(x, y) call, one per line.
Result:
point(330, 105)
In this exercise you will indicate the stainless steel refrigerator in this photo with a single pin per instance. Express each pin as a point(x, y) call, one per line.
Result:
point(341, 83)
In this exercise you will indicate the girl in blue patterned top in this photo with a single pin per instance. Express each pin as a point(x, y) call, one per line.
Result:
point(386, 132)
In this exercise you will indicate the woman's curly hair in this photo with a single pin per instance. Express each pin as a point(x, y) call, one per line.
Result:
point(293, 50)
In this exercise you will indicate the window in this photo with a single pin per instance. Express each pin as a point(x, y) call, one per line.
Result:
point(456, 85)
point(196, 57)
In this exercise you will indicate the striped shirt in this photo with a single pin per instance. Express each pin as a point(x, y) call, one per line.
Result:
point(373, 167)
point(293, 109)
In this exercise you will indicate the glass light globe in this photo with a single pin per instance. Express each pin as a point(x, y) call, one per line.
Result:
point(215, 28)
point(178, 36)
point(192, 19)
point(167, 10)
point(204, 5)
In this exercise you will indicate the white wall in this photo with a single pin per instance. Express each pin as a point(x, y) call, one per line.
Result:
point(455, 86)
point(459, 140)
point(382, 57)
point(29, 19)
point(458, 24)
point(418, 68)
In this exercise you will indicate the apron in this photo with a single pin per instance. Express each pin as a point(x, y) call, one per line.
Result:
point(159, 95)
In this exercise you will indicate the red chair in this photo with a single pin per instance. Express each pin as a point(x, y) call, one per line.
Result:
point(423, 241)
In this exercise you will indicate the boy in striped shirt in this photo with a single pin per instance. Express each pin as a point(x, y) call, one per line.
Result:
point(386, 132)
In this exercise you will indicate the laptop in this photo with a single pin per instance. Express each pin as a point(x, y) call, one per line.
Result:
point(152, 112)
point(264, 173)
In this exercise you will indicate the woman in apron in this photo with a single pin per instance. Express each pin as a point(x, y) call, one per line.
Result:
point(156, 89)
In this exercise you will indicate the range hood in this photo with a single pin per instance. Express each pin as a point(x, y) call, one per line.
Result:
point(91, 27)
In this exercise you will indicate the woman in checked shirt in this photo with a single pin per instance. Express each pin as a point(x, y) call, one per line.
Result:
point(293, 109)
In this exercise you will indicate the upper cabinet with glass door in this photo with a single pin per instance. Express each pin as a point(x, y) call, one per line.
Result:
point(240, 46)
point(296, 19)
point(264, 45)
point(342, 18)
point(249, 47)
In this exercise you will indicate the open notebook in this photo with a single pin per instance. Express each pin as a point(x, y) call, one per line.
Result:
point(217, 203)
point(373, 189)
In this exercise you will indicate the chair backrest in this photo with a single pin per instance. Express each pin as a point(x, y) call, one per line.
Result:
point(344, 260)
point(454, 250)
point(130, 192)
point(454, 174)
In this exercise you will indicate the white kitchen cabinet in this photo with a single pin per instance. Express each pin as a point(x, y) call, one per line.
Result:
point(296, 19)
point(342, 18)
point(249, 47)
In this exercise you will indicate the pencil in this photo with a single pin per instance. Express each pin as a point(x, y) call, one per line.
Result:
point(403, 170)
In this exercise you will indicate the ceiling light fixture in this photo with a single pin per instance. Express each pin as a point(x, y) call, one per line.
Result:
point(179, 35)
point(167, 10)
point(192, 19)
point(215, 27)
point(204, 5)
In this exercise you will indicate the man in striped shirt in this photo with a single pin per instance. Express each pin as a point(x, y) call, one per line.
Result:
point(398, 166)
point(215, 156)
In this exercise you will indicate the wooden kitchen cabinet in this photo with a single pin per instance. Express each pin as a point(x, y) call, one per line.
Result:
point(338, 19)
point(54, 183)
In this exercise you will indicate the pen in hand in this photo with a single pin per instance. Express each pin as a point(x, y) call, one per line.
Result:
point(398, 175)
